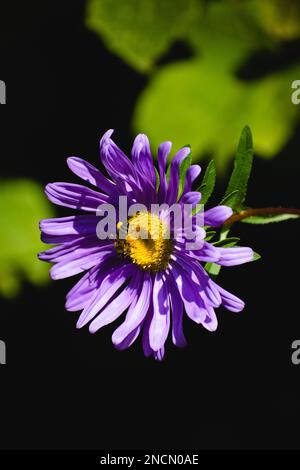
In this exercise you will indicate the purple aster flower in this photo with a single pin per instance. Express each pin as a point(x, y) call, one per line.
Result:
point(154, 280)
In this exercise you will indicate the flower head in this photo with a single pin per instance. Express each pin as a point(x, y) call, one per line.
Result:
point(147, 266)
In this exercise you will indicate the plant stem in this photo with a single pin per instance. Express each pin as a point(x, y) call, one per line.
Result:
point(260, 211)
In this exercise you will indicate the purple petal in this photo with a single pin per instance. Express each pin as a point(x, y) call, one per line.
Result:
point(230, 301)
point(142, 159)
point(129, 340)
point(160, 323)
point(75, 196)
point(92, 175)
point(163, 152)
point(234, 256)
point(160, 354)
point(192, 173)
point(115, 161)
point(136, 312)
point(211, 321)
point(206, 291)
point(71, 249)
point(172, 191)
point(207, 253)
point(200, 280)
point(178, 337)
point(109, 286)
point(192, 198)
point(83, 292)
point(67, 229)
point(117, 306)
point(217, 215)
point(182, 238)
point(148, 351)
point(83, 260)
point(72, 225)
point(192, 301)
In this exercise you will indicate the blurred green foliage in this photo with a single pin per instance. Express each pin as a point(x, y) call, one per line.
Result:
point(280, 18)
point(140, 31)
point(192, 102)
point(202, 100)
point(23, 204)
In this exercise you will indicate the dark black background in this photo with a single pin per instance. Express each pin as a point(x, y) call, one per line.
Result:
point(66, 389)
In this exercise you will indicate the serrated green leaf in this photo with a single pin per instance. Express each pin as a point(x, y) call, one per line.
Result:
point(23, 204)
point(208, 183)
point(186, 163)
point(269, 219)
point(241, 170)
point(228, 200)
point(227, 242)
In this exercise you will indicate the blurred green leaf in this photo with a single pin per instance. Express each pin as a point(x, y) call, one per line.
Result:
point(268, 219)
point(237, 186)
point(279, 18)
point(23, 204)
point(208, 183)
point(140, 31)
point(198, 102)
point(231, 25)
point(202, 100)
point(256, 256)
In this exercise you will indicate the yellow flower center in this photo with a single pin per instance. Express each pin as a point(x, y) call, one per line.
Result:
point(146, 243)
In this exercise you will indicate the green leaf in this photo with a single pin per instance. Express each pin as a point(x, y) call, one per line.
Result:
point(185, 164)
point(140, 31)
point(209, 235)
point(193, 103)
point(23, 204)
point(157, 179)
point(279, 18)
point(229, 199)
point(227, 242)
point(256, 256)
point(268, 219)
point(241, 171)
point(212, 269)
point(231, 25)
point(208, 183)
point(202, 101)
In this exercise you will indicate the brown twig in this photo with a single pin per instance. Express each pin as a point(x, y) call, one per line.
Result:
point(261, 211)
